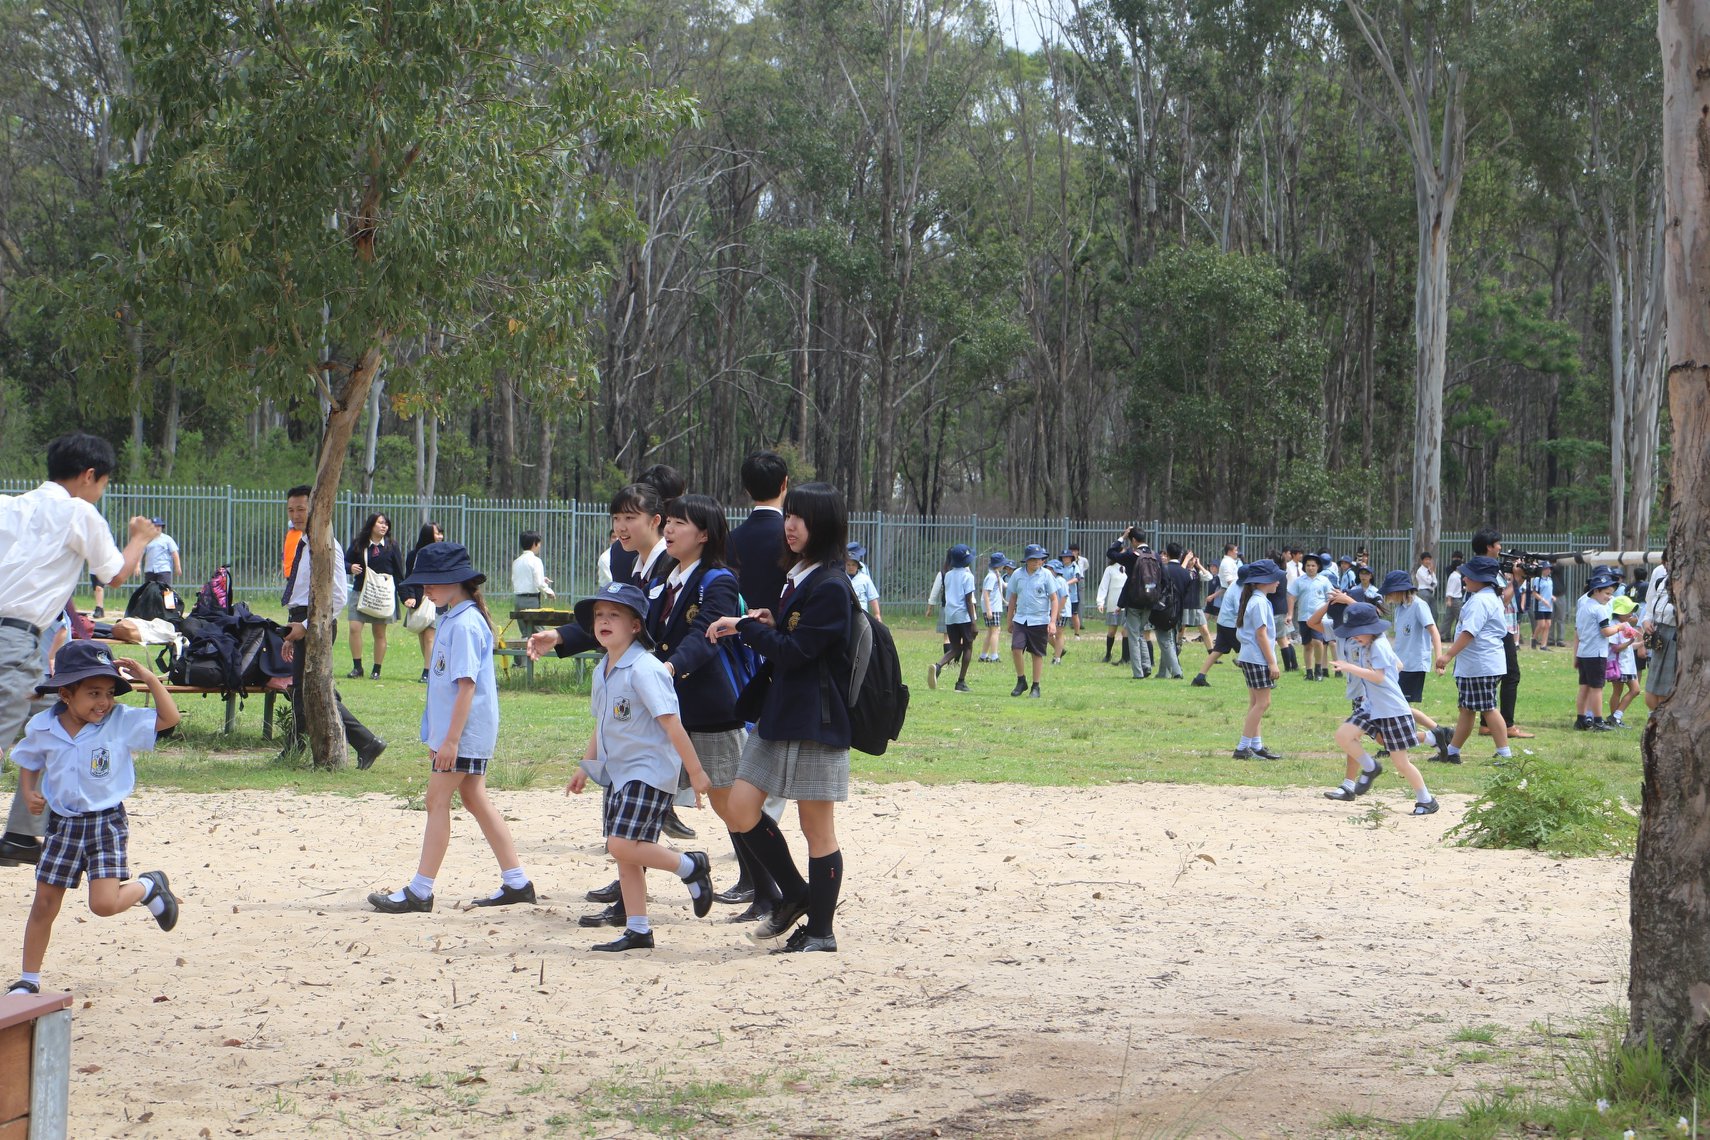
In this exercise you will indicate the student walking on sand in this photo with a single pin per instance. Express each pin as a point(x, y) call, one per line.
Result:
point(1258, 656)
point(1389, 720)
point(460, 726)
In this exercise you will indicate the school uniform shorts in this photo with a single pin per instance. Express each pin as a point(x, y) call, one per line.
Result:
point(796, 769)
point(97, 843)
point(1412, 685)
point(1258, 675)
point(1395, 733)
point(1308, 634)
point(994, 621)
point(719, 753)
point(1659, 678)
point(1027, 637)
point(1478, 694)
point(634, 811)
point(1591, 670)
point(960, 635)
point(470, 765)
point(1228, 641)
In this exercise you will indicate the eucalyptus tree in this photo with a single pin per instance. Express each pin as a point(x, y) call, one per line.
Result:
point(331, 180)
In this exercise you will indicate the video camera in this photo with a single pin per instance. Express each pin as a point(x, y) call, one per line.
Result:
point(1530, 563)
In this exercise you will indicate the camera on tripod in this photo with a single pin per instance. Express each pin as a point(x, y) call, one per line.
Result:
point(1529, 563)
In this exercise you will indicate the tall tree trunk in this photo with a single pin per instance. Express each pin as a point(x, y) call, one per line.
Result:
point(1669, 968)
point(320, 711)
point(169, 443)
point(505, 438)
point(371, 448)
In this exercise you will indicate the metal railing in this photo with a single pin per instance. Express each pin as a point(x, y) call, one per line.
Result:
point(244, 529)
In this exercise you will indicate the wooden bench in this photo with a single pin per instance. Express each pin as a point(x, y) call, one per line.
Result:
point(515, 650)
point(231, 699)
point(35, 1065)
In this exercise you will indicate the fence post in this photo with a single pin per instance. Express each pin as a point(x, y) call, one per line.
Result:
point(575, 556)
point(1246, 555)
point(878, 551)
point(228, 524)
point(1064, 545)
point(975, 520)
point(463, 517)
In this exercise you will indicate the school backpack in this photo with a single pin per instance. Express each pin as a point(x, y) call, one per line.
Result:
point(1145, 588)
point(207, 658)
point(877, 698)
point(739, 662)
point(150, 601)
point(1167, 611)
point(215, 597)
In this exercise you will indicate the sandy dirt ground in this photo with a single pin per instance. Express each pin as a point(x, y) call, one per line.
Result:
point(1129, 961)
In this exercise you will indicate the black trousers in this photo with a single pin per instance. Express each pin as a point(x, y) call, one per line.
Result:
point(356, 734)
point(1510, 686)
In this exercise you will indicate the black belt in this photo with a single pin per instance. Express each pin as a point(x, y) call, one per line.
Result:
point(297, 613)
point(20, 623)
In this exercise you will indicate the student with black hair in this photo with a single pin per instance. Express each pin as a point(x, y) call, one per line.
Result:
point(529, 584)
point(757, 544)
point(414, 598)
point(800, 745)
point(373, 548)
point(46, 537)
point(668, 483)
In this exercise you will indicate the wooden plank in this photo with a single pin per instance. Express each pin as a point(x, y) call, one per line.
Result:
point(18, 1129)
point(16, 1056)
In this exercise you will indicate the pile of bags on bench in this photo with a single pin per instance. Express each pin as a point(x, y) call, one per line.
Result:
point(220, 645)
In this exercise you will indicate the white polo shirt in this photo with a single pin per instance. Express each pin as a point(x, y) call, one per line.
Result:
point(91, 771)
point(46, 537)
point(627, 704)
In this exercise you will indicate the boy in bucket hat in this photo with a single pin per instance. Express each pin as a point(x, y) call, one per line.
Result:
point(635, 751)
point(1595, 627)
point(1388, 719)
point(75, 760)
point(1032, 613)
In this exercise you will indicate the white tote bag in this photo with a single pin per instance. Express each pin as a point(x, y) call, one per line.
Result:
point(421, 617)
point(379, 596)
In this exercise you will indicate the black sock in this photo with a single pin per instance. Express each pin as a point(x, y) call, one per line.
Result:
point(772, 854)
point(1123, 660)
point(825, 880)
point(753, 873)
point(356, 662)
point(1109, 642)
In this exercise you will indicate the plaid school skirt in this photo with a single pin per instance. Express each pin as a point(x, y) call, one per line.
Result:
point(634, 811)
point(1478, 694)
point(1395, 733)
point(796, 769)
point(1361, 717)
point(97, 843)
point(719, 753)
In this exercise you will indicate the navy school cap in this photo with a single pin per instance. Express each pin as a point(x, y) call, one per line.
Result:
point(444, 564)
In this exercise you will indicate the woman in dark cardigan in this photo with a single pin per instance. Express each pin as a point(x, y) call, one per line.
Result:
point(372, 548)
point(799, 748)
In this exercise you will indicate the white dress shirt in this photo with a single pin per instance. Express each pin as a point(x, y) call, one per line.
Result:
point(340, 580)
point(46, 537)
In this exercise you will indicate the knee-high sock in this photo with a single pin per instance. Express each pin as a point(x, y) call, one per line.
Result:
point(754, 874)
point(766, 843)
point(825, 880)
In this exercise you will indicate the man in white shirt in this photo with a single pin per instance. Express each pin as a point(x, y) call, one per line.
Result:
point(1425, 580)
point(1229, 567)
point(46, 537)
point(530, 586)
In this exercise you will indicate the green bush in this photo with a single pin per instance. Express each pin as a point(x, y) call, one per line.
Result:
point(1542, 806)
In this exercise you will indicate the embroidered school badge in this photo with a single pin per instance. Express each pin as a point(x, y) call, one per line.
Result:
point(439, 665)
point(795, 620)
point(100, 763)
point(621, 710)
point(692, 613)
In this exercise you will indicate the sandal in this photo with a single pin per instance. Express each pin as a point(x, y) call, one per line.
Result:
point(1429, 807)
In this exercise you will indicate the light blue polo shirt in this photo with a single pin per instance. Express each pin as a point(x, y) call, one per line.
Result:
point(157, 555)
point(91, 771)
point(992, 591)
point(1481, 616)
point(1351, 651)
point(1259, 616)
point(1032, 594)
point(1309, 592)
point(1385, 700)
point(861, 583)
point(1590, 622)
point(1412, 622)
point(1545, 592)
point(958, 585)
point(629, 698)
point(463, 648)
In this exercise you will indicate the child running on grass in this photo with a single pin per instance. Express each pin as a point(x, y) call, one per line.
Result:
point(992, 602)
point(460, 726)
point(636, 749)
point(75, 759)
point(958, 617)
point(1258, 656)
point(1387, 716)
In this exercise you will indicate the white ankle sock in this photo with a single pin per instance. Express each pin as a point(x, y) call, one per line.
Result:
point(1368, 763)
point(419, 885)
point(515, 878)
point(685, 869)
point(638, 923)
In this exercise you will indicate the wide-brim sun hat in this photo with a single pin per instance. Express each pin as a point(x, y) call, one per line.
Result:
point(1396, 582)
point(444, 564)
point(625, 594)
point(997, 559)
point(1053, 564)
point(1360, 618)
point(961, 555)
point(1260, 572)
point(1034, 550)
point(1481, 569)
point(856, 551)
point(1602, 580)
point(78, 661)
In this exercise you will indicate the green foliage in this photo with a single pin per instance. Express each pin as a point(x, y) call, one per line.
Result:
point(1544, 805)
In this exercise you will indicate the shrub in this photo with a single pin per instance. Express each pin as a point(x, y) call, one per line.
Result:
point(1542, 806)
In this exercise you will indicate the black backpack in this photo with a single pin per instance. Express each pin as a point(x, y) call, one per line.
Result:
point(1167, 612)
point(209, 661)
point(877, 699)
point(149, 602)
point(1146, 583)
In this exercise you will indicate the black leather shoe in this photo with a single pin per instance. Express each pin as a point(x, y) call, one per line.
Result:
point(168, 917)
point(742, 892)
point(628, 940)
point(383, 902)
point(16, 850)
point(507, 896)
point(354, 674)
point(801, 942)
point(675, 827)
point(365, 757)
point(613, 915)
point(702, 878)
point(610, 893)
point(785, 914)
point(23, 988)
point(1363, 782)
point(758, 910)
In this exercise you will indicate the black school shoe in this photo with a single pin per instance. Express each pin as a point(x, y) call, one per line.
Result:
point(18, 850)
point(1342, 795)
point(1266, 754)
point(1440, 736)
point(383, 902)
point(613, 915)
point(22, 988)
point(703, 876)
point(801, 942)
point(365, 757)
point(1363, 782)
point(785, 914)
point(758, 911)
point(628, 940)
point(675, 827)
point(168, 916)
point(1019, 690)
point(507, 896)
point(610, 893)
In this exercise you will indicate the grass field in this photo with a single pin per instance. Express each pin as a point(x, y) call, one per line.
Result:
point(1094, 725)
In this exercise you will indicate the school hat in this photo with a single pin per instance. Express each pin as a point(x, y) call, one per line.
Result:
point(1034, 550)
point(1054, 564)
point(1348, 558)
point(1324, 559)
point(1623, 605)
point(1260, 572)
point(997, 559)
point(444, 564)
point(961, 555)
point(856, 551)
point(1359, 618)
point(626, 594)
point(1481, 568)
point(1362, 568)
point(1601, 579)
point(1396, 581)
point(78, 661)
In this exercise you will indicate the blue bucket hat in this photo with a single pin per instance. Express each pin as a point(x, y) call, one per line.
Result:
point(1034, 550)
point(1481, 568)
point(1359, 618)
point(997, 559)
point(961, 555)
point(1601, 579)
point(1396, 582)
point(444, 564)
point(1348, 558)
point(1260, 572)
point(856, 551)
point(625, 594)
point(1053, 564)
point(78, 661)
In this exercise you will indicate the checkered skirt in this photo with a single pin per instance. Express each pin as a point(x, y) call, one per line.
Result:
point(1395, 733)
point(1478, 694)
point(795, 769)
point(1361, 715)
point(97, 843)
point(1258, 675)
point(719, 753)
point(634, 811)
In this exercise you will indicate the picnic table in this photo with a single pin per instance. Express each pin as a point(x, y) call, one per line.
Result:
point(35, 1064)
point(529, 622)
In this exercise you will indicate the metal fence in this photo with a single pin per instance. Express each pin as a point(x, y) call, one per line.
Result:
point(244, 529)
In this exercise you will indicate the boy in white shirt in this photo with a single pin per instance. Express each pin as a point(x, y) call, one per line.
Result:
point(530, 586)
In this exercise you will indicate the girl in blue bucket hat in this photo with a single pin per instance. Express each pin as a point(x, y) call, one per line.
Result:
point(1257, 635)
point(1388, 718)
point(460, 726)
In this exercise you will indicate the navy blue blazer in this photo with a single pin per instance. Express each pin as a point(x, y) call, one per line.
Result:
point(755, 551)
point(805, 651)
point(622, 563)
point(572, 638)
point(705, 699)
